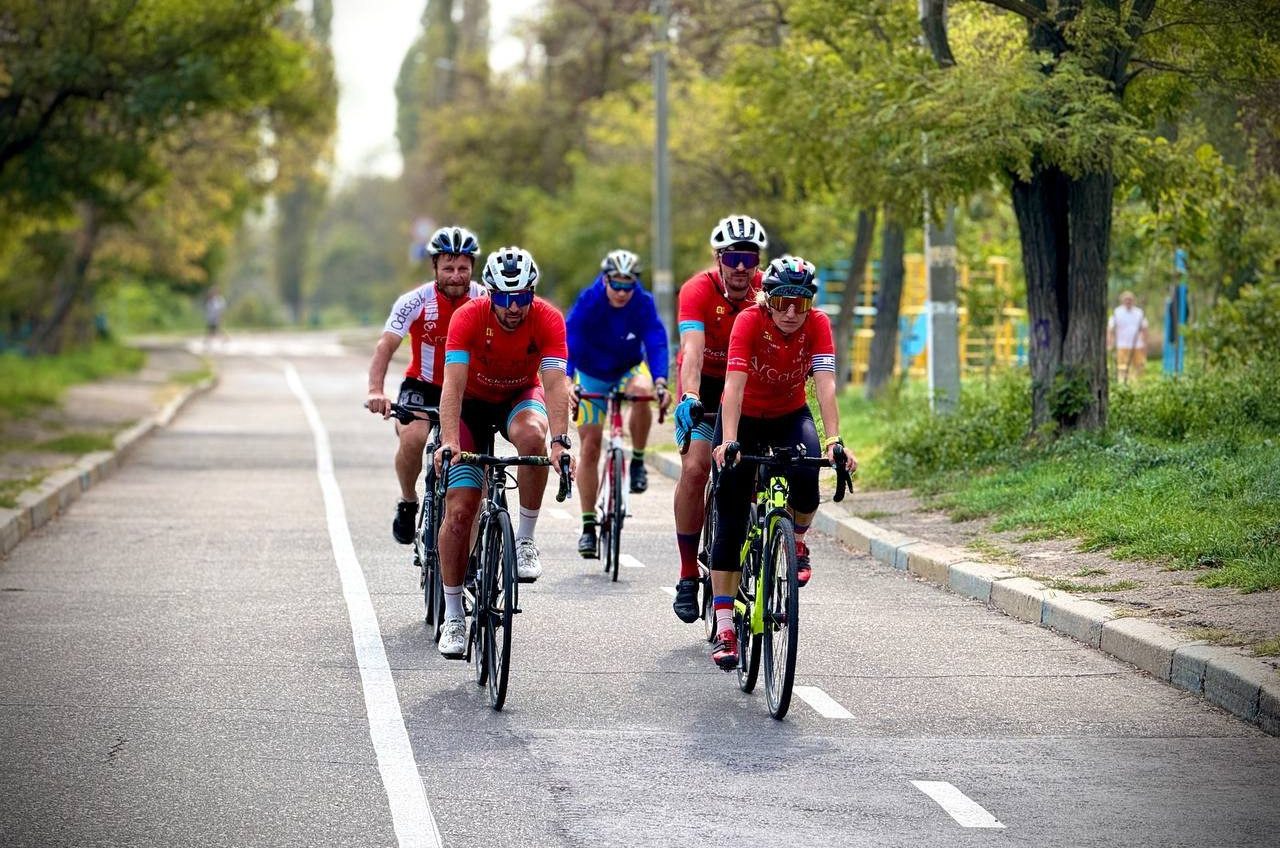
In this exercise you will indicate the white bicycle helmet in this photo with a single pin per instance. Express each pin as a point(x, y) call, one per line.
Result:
point(455, 240)
point(624, 263)
point(738, 229)
point(510, 269)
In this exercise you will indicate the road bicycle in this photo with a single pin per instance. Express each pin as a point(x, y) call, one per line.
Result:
point(613, 504)
point(491, 591)
point(766, 609)
point(425, 555)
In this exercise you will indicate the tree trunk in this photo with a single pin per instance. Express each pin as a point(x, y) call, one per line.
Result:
point(884, 344)
point(852, 285)
point(71, 284)
point(1065, 229)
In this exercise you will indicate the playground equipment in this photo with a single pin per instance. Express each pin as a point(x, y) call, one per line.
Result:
point(993, 332)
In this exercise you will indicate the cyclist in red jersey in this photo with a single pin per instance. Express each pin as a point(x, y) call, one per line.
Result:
point(423, 313)
point(773, 349)
point(498, 349)
point(709, 303)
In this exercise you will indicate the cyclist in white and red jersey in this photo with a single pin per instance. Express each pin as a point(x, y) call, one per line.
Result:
point(423, 313)
point(773, 349)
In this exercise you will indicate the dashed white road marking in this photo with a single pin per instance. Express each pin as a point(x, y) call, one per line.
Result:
point(822, 703)
point(411, 817)
point(628, 561)
point(962, 808)
point(556, 512)
point(670, 590)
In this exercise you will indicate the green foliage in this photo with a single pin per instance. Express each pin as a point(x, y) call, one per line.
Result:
point(29, 383)
point(1244, 331)
point(1227, 406)
point(78, 443)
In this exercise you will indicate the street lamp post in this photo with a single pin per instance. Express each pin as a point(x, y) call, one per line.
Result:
point(663, 279)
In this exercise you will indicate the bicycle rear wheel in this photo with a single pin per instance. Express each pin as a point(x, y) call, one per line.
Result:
point(617, 510)
point(501, 580)
point(781, 596)
point(708, 538)
point(748, 642)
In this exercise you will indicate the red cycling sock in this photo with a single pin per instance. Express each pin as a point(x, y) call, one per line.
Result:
point(688, 544)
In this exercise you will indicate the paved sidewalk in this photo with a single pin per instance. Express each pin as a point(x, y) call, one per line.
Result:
point(126, 408)
point(1247, 687)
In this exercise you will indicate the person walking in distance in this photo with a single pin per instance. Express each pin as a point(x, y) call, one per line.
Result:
point(1127, 336)
point(423, 314)
point(709, 302)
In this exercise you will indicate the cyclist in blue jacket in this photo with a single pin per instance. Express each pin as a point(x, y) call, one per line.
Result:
point(614, 331)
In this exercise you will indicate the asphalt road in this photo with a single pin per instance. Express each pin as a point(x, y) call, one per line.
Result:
point(179, 668)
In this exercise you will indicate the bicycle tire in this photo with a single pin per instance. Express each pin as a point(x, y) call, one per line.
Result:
point(781, 596)
point(604, 513)
point(502, 581)
point(475, 631)
point(708, 539)
point(617, 510)
point(432, 583)
point(748, 642)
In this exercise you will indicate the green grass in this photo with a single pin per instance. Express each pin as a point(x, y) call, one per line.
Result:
point(190, 378)
point(28, 384)
point(1090, 572)
point(873, 514)
point(991, 552)
point(1064, 585)
point(1268, 648)
point(1218, 636)
point(10, 489)
point(79, 443)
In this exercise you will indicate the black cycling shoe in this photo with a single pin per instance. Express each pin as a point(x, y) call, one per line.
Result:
point(639, 477)
point(587, 547)
point(686, 602)
point(402, 526)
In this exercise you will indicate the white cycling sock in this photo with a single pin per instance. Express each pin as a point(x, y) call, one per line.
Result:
point(724, 619)
point(528, 520)
point(453, 602)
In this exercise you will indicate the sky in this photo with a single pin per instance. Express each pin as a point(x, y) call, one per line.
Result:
point(370, 38)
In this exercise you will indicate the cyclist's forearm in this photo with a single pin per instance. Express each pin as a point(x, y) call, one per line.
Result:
point(731, 405)
point(691, 364)
point(556, 385)
point(825, 384)
point(455, 382)
point(382, 354)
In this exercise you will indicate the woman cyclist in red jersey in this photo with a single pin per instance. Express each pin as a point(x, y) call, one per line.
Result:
point(773, 349)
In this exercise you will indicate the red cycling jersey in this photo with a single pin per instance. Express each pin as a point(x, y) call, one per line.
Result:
point(501, 362)
point(777, 365)
point(704, 307)
point(424, 314)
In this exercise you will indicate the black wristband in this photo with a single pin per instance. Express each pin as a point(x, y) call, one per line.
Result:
point(562, 439)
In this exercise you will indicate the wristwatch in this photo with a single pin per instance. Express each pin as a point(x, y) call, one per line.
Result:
point(833, 440)
point(562, 439)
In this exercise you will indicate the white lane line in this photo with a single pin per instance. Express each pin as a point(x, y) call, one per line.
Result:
point(411, 817)
point(825, 705)
point(962, 808)
point(670, 590)
point(556, 512)
point(628, 561)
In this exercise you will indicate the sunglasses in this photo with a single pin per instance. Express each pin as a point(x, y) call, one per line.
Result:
point(505, 300)
point(745, 258)
point(779, 303)
point(622, 284)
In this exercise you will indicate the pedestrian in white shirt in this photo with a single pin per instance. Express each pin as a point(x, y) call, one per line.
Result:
point(1127, 336)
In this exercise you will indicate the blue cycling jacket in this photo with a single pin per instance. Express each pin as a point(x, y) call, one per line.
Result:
point(606, 342)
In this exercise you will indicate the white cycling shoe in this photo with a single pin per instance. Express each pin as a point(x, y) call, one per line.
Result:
point(453, 638)
point(528, 566)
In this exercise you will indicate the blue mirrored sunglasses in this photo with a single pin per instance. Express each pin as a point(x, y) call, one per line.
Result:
point(505, 300)
point(621, 283)
point(745, 258)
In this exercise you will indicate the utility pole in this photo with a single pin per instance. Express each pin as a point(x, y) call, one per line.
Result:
point(940, 250)
point(663, 278)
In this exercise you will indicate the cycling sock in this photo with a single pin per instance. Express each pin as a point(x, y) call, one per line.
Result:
point(723, 605)
point(801, 529)
point(408, 500)
point(688, 545)
point(637, 455)
point(453, 602)
point(588, 521)
point(528, 520)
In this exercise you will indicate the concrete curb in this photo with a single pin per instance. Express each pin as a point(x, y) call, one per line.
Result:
point(1245, 687)
point(42, 504)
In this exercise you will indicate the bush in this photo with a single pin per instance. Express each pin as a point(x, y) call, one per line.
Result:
point(988, 424)
point(1244, 332)
point(1225, 404)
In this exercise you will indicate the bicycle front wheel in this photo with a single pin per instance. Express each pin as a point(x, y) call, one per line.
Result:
point(781, 596)
point(617, 510)
point(501, 581)
point(708, 538)
point(429, 558)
